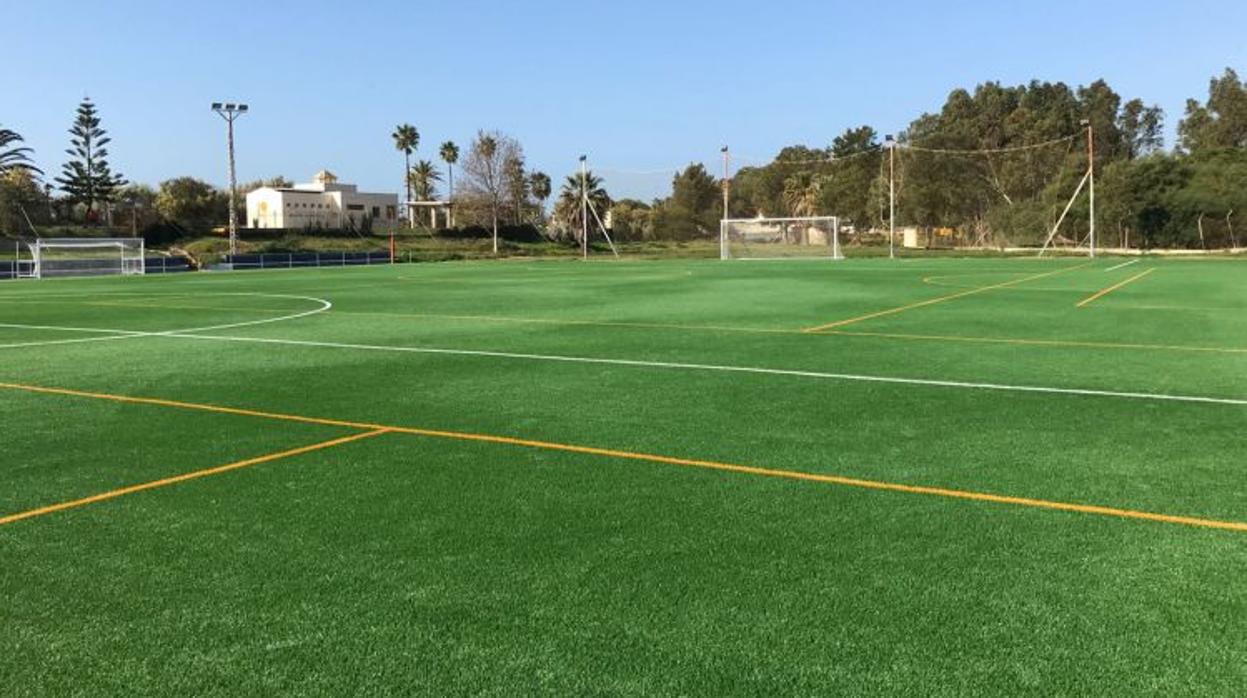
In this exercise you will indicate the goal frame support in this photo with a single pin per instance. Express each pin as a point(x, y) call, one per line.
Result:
point(833, 221)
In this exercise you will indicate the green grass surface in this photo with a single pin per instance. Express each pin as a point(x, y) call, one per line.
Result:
point(425, 564)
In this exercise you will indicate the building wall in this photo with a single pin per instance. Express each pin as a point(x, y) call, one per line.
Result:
point(338, 208)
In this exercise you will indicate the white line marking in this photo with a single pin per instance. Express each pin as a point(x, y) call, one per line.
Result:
point(128, 334)
point(634, 363)
point(728, 369)
point(1124, 264)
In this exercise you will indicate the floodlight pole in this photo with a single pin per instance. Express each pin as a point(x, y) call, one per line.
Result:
point(891, 143)
point(584, 209)
point(727, 182)
point(1091, 180)
point(230, 111)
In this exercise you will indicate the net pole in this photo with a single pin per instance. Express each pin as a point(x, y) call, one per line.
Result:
point(891, 198)
point(835, 239)
point(584, 210)
point(1091, 182)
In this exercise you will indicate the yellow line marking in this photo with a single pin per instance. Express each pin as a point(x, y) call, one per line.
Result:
point(1105, 291)
point(375, 429)
point(941, 299)
point(165, 482)
point(1036, 342)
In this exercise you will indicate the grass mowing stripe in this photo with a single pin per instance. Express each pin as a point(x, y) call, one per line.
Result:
point(941, 299)
point(165, 482)
point(637, 363)
point(377, 429)
point(1105, 291)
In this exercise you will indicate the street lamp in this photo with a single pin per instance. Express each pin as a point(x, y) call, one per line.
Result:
point(231, 111)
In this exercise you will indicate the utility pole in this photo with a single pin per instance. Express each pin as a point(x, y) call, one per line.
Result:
point(1091, 179)
point(727, 179)
point(891, 144)
point(230, 111)
point(584, 209)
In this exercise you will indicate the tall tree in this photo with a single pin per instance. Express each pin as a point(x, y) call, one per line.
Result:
point(1221, 122)
point(191, 203)
point(407, 139)
point(484, 174)
point(694, 207)
point(1141, 128)
point(450, 155)
point(803, 193)
point(856, 158)
point(539, 184)
point(569, 209)
point(516, 184)
point(423, 179)
point(14, 156)
point(87, 177)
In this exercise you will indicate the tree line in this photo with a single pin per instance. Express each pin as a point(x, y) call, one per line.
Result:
point(995, 165)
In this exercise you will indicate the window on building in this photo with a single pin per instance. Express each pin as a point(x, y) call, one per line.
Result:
point(376, 211)
point(390, 213)
point(355, 207)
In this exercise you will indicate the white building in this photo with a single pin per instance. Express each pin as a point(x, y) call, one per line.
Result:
point(321, 203)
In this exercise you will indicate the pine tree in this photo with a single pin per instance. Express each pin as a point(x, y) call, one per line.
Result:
point(87, 178)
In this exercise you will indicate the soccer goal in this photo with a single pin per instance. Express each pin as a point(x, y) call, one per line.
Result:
point(780, 238)
point(59, 257)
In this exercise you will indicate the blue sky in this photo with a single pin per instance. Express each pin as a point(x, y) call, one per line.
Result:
point(644, 86)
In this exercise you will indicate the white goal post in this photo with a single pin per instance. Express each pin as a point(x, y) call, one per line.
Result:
point(813, 237)
point(59, 257)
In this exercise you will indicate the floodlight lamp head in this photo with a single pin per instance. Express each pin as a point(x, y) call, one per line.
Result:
point(216, 106)
point(723, 149)
point(1085, 122)
point(242, 107)
point(229, 106)
point(584, 157)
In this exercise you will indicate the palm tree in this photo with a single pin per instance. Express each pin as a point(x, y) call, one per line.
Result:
point(802, 193)
point(569, 207)
point(407, 139)
point(539, 185)
point(423, 178)
point(450, 155)
point(14, 158)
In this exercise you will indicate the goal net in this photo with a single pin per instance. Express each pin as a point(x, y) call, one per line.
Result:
point(780, 238)
point(59, 257)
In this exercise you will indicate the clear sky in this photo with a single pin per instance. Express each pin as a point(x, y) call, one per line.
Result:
point(642, 85)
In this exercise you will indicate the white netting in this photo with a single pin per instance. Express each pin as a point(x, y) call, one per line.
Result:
point(780, 238)
point(59, 257)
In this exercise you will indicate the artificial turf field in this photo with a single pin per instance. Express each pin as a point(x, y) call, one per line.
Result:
point(922, 476)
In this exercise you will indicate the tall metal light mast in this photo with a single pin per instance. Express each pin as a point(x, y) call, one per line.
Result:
point(727, 178)
point(230, 111)
point(584, 208)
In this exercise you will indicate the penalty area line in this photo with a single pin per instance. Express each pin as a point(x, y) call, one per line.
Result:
point(754, 370)
point(378, 429)
point(165, 482)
